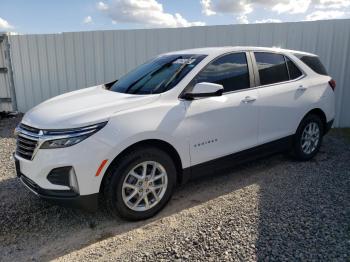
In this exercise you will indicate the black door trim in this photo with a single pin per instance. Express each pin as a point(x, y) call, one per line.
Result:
point(206, 168)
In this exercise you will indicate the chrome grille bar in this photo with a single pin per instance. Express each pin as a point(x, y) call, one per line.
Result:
point(27, 141)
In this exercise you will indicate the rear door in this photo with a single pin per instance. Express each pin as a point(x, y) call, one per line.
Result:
point(282, 99)
point(220, 126)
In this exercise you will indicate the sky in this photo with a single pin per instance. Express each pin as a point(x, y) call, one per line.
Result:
point(49, 16)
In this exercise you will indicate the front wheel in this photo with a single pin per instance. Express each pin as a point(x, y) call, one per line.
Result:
point(308, 138)
point(140, 184)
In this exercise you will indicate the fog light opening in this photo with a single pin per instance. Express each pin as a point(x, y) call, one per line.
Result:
point(73, 182)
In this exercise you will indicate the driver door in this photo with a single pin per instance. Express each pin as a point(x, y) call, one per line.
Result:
point(220, 126)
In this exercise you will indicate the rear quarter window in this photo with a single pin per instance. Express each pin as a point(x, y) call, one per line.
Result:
point(293, 70)
point(314, 63)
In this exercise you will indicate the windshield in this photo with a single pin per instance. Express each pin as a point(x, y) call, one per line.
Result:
point(158, 75)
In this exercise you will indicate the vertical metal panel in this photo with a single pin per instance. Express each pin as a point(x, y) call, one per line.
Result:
point(61, 64)
point(52, 69)
point(28, 88)
point(16, 55)
point(119, 52)
point(48, 65)
point(89, 59)
point(44, 73)
point(99, 68)
point(5, 93)
point(78, 47)
point(340, 70)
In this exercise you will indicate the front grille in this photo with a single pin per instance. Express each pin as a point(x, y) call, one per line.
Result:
point(27, 141)
point(29, 129)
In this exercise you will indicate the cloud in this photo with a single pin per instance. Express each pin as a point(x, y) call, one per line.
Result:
point(4, 25)
point(269, 20)
point(102, 6)
point(335, 4)
point(88, 20)
point(143, 12)
point(207, 8)
point(292, 7)
point(210, 7)
point(243, 7)
point(242, 19)
point(323, 15)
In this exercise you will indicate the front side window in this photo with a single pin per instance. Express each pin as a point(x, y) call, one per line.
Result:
point(230, 71)
point(157, 75)
point(272, 68)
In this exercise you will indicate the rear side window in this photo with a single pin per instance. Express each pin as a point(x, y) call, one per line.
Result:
point(293, 70)
point(314, 63)
point(231, 71)
point(272, 68)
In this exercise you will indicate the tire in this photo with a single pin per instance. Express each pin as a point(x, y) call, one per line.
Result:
point(119, 178)
point(300, 149)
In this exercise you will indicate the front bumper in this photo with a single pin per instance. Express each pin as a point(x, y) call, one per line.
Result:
point(64, 198)
point(85, 158)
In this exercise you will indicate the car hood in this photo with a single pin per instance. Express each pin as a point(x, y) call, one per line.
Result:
point(82, 107)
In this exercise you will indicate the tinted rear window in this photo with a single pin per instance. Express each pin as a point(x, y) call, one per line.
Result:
point(314, 63)
point(272, 68)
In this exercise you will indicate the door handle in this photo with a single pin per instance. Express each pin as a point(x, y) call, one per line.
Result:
point(248, 99)
point(302, 88)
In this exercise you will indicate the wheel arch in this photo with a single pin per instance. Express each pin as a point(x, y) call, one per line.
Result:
point(160, 144)
point(319, 112)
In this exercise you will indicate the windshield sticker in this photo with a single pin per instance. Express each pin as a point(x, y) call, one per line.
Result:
point(184, 61)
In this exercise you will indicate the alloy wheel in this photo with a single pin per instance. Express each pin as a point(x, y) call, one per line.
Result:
point(144, 186)
point(310, 138)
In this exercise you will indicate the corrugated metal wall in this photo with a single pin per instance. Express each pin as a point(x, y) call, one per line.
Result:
point(5, 92)
point(48, 65)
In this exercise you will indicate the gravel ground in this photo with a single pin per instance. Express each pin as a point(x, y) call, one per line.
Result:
point(271, 209)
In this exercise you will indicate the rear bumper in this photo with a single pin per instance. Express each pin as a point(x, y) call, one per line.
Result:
point(64, 198)
point(328, 126)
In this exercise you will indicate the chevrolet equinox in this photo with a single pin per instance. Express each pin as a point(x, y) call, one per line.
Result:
point(179, 115)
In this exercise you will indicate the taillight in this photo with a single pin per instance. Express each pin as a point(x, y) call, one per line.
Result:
point(332, 84)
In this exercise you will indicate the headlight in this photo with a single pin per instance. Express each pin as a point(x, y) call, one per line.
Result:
point(68, 137)
point(65, 142)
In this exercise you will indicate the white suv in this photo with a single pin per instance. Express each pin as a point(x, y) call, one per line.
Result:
point(178, 115)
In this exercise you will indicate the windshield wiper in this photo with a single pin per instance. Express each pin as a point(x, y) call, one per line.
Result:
point(176, 73)
point(150, 75)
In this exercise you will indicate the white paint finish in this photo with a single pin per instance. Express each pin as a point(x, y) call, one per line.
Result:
point(202, 88)
point(83, 59)
point(199, 130)
point(229, 124)
point(81, 107)
point(281, 107)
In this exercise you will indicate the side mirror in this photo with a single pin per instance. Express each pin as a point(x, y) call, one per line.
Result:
point(204, 89)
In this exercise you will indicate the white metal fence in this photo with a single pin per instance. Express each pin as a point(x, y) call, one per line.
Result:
point(6, 100)
point(48, 65)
